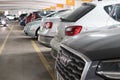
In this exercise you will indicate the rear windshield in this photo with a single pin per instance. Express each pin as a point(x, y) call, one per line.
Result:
point(63, 14)
point(59, 13)
point(79, 12)
point(53, 14)
point(113, 11)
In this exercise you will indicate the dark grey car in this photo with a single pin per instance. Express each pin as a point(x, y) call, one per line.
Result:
point(90, 56)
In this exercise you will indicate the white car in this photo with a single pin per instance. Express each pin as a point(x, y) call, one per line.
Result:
point(49, 25)
point(89, 16)
point(10, 17)
point(32, 28)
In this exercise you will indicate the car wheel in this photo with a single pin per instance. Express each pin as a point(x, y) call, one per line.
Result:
point(37, 32)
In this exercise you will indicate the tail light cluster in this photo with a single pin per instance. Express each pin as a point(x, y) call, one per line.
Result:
point(73, 30)
point(48, 25)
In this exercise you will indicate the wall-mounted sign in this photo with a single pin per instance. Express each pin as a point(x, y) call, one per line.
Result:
point(60, 5)
point(70, 2)
point(86, 0)
point(52, 7)
point(47, 9)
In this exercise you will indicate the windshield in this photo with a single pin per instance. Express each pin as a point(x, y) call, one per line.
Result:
point(64, 14)
point(59, 13)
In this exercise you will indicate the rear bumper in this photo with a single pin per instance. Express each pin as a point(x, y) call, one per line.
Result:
point(45, 40)
point(55, 44)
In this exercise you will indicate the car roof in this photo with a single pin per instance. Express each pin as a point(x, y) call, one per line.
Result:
point(106, 2)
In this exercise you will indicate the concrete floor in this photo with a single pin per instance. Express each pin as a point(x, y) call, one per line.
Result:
point(22, 58)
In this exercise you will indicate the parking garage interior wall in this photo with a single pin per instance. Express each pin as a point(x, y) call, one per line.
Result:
point(18, 12)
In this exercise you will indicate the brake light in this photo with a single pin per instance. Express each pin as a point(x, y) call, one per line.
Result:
point(73, 30)
point(48, 25)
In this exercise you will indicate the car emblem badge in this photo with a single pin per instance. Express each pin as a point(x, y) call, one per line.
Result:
point(65, 60)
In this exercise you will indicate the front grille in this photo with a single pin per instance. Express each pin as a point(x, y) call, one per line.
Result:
point(71, 66)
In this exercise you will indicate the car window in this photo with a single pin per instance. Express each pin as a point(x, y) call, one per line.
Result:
point(113, 11)
point(108, 9)
point(51, 14)
point(79, 12)
point(64, 14)
point(58, 13)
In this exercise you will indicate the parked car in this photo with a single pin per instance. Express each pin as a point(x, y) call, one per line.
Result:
point(10, 17)
point(49, 27)
point(32, 28)
point(22, 16)
point(3, 21)
point(23, 22)
point(37, 15)
point(28, 18)
point(93, 55)
point(89, 16)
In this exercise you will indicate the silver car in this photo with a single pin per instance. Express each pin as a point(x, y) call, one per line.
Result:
point(48, 28)
point(32, 28)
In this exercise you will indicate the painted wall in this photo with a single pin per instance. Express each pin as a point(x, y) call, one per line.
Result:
point(18, 12)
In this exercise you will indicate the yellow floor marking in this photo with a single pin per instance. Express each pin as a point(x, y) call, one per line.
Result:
point(43, 59)
point(6, 38)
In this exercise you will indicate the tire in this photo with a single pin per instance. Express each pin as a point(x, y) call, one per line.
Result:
point(37, 33)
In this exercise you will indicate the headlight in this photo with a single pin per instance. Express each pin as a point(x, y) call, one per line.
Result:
point(109, 69)
point(3, 21)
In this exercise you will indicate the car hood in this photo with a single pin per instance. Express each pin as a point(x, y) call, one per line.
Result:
point(96, 45)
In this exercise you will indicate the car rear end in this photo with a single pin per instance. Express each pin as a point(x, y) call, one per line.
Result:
point(49, 27)
point(105, 13)
point(66, 26)
point(48, 30)
point(59, 36)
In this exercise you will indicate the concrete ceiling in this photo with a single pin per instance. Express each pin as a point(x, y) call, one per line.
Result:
point(27, 4)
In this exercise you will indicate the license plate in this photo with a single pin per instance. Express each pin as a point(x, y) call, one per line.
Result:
point(59, 77)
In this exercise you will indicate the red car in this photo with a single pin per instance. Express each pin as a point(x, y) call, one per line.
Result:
point(29, 18)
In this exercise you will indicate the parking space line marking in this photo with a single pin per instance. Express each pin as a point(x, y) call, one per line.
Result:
point(43, 59)
point(6, 38)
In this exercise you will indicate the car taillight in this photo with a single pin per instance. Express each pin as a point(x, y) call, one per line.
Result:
point(48, 25)
point(73, 30)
